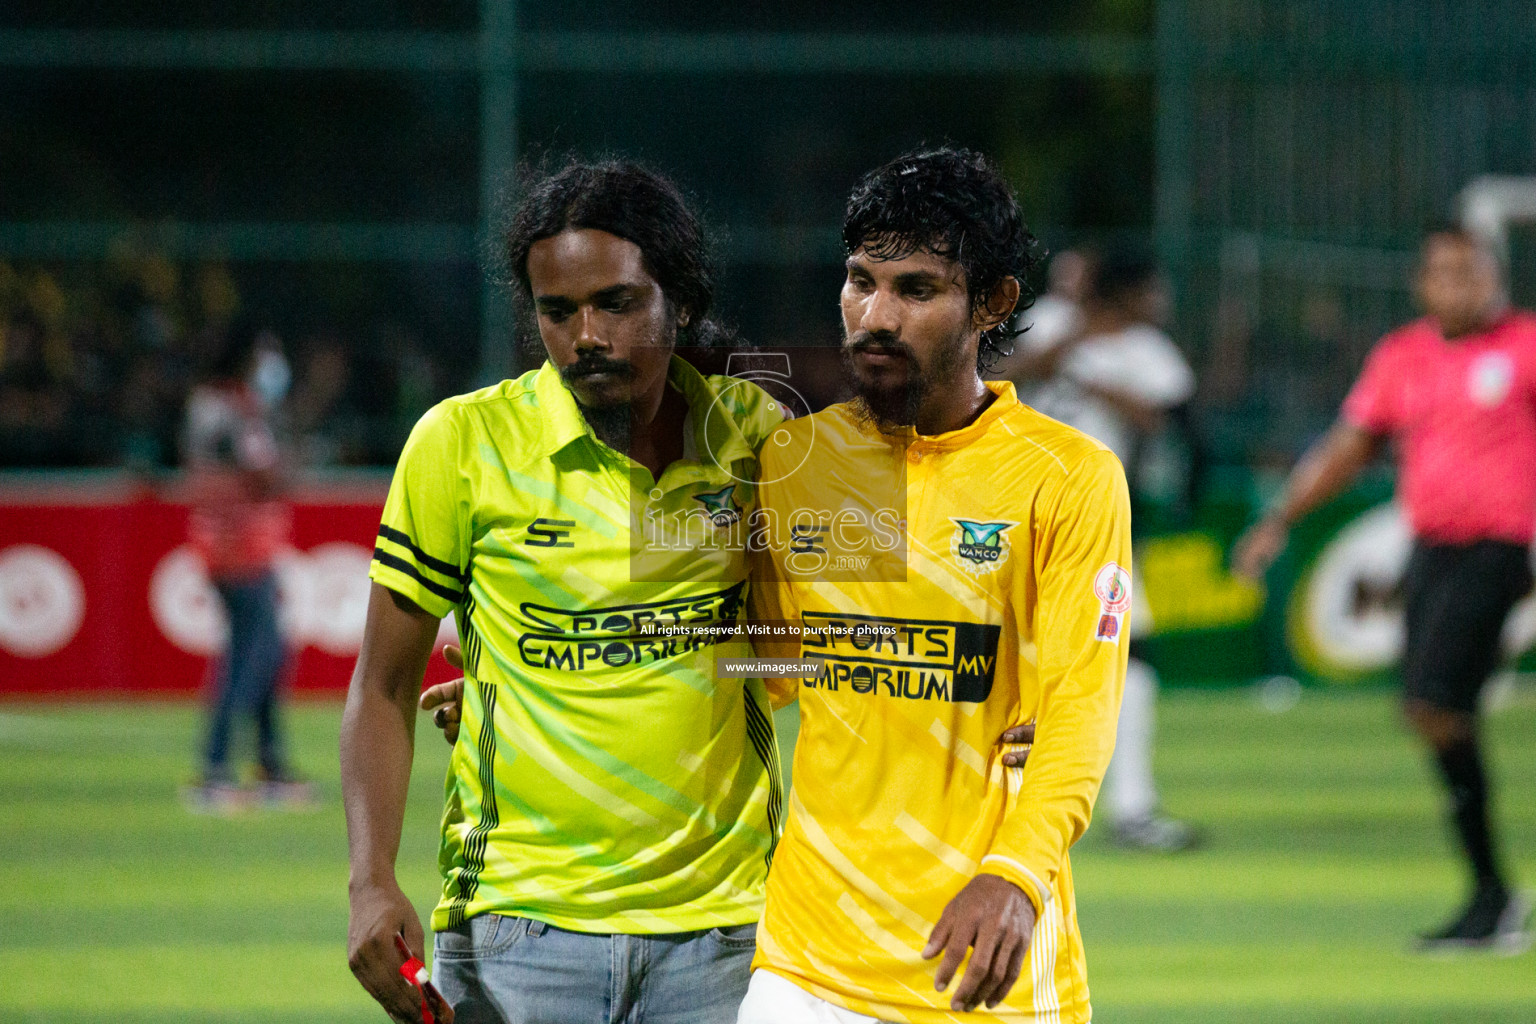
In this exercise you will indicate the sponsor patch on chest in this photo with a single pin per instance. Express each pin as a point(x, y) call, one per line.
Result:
point(980, 547)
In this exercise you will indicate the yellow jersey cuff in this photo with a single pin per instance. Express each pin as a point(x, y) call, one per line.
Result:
point(1007, 868)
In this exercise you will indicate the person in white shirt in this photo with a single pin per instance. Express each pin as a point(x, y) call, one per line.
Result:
point(1055, 318)
point(1094, 359)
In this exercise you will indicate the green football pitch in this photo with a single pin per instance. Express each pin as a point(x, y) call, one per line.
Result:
point(1325, 853)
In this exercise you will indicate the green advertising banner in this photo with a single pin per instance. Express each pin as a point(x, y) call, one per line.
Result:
point(1329, 613)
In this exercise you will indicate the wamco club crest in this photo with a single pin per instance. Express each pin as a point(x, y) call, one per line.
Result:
point(722, 511)
point(979, 548)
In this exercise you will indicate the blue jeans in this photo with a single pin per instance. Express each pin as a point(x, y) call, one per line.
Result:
point(248, 676)
point(498, 969)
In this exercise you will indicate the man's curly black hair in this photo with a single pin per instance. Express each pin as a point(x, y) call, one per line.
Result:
point(954, 204)
point(633, 202)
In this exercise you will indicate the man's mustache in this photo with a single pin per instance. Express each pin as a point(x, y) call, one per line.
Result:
point(587, 365)
point(878, 344)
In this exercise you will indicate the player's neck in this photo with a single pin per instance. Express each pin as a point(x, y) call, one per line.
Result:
point(648, 430)
point(1453, 332)
point(953, 406)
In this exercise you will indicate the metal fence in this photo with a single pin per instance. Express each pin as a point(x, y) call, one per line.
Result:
point(1300, 148)
point(510, 63)
point(1303, 147)
point(347, 169)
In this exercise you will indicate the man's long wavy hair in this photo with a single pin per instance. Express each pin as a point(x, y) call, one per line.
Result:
point(630, 201)
point(954, 204)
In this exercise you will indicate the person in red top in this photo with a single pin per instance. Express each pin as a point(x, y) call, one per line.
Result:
point(1457, 391)
point(238, 524)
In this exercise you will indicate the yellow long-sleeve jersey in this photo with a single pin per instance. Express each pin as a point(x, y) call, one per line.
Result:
point(953, 586)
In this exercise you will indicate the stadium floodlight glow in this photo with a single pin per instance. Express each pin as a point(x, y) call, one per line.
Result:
point(1491, 202)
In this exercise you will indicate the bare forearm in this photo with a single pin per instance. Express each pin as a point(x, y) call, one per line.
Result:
point(378, 731)
point(377, 747)
point(1325, 470)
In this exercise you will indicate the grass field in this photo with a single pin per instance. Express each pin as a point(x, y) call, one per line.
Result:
point(1325, 854)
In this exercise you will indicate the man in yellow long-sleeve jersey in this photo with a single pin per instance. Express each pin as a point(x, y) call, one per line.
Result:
point(956, 561)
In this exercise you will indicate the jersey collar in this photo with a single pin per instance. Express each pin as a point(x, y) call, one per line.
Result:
point(1004, 400)
point(563, 422)
point(716, 434)
point(713, 415)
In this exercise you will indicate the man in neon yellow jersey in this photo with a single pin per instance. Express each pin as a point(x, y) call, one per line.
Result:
point(612, 811)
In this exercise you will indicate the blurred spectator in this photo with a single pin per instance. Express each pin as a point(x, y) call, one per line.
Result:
point(1055, 318)
point(34, 393)
point(1097, 359)
point(325, 371)
point(97, 361)
point(239, 523)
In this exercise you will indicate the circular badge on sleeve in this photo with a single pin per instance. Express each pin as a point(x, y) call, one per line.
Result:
point(1112, 586)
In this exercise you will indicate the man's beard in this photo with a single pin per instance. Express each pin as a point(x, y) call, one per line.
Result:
point(896, 406)
point(613, 423)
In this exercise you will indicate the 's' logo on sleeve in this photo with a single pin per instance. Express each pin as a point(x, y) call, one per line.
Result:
point(550, 533)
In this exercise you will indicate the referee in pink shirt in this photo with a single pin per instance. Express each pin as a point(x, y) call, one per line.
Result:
point(1457, 391)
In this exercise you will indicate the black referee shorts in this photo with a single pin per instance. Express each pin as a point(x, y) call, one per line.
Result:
point(1456, 597)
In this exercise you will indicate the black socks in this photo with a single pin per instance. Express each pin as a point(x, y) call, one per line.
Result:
point(1461, 765)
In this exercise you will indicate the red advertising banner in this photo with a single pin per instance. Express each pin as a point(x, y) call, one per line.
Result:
point(100, 596)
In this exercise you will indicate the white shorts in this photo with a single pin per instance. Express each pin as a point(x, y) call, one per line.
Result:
point(772, 999)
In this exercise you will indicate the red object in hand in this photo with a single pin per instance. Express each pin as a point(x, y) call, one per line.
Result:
point(415, 972)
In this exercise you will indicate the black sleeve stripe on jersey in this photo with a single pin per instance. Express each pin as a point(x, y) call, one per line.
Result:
point(475, 843)
point(396, 562)
point(760, 733)
point(471, 635)
point(437, 565)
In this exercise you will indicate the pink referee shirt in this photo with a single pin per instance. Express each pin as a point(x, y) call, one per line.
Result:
point(1464, 415)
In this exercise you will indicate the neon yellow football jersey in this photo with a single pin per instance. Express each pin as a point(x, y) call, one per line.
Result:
point(1003, 602)
point(604, 780)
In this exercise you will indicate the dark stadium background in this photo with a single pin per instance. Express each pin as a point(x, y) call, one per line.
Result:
point(338, 163)
point(345, 190)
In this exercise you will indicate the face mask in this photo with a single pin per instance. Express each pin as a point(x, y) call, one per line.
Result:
point(270, 378)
